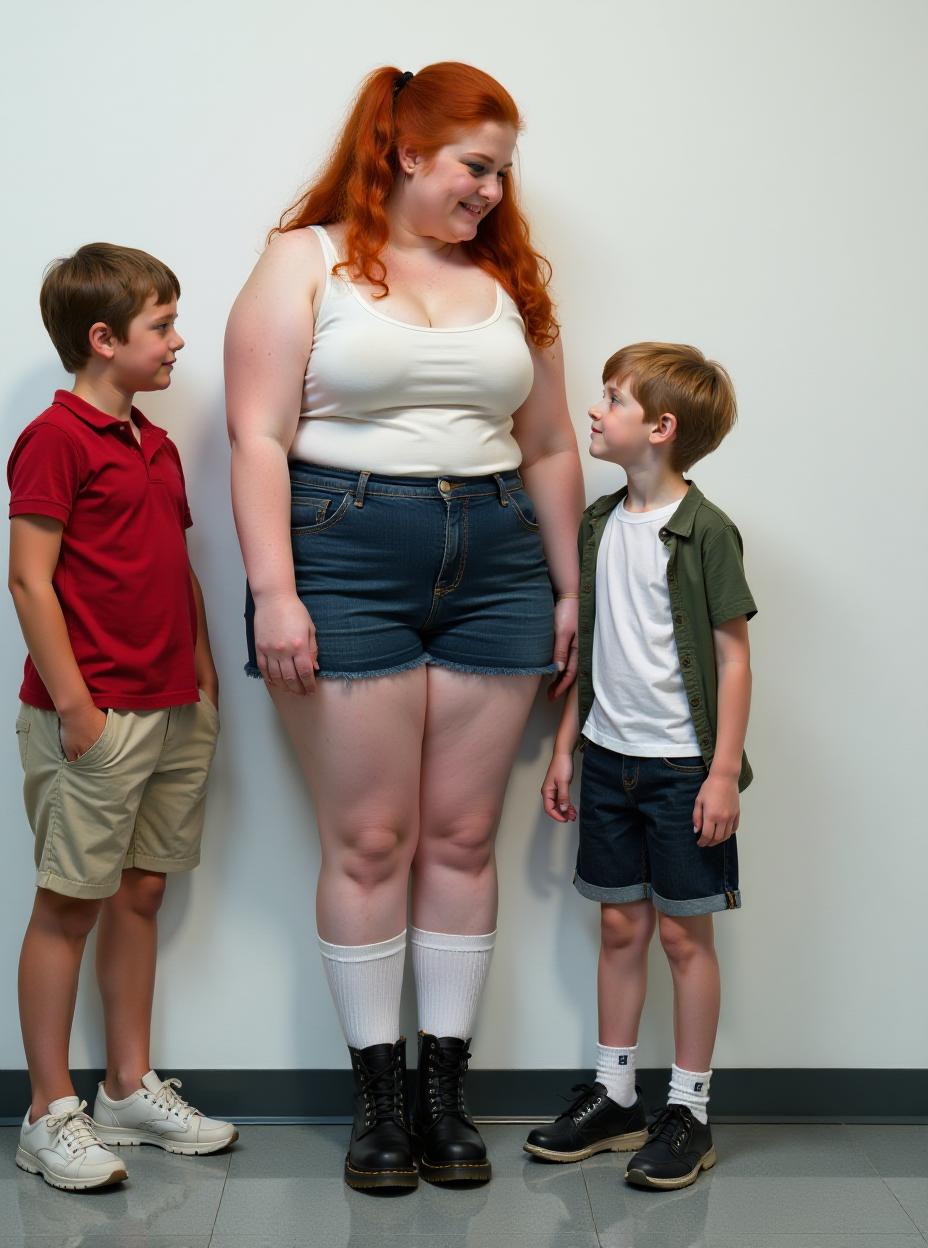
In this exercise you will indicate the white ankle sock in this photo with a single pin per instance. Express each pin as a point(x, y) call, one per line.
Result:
point(366, 982)
point(691, 1088)
point(450, 972)
point(615, 1068)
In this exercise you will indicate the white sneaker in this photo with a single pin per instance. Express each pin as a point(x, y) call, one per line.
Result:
point(65, 1149)
point(155, 1114)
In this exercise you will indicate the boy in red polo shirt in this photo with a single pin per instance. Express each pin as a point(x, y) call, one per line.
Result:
point(119, 719)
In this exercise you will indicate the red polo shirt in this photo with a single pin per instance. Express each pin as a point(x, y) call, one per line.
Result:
point(122, 578)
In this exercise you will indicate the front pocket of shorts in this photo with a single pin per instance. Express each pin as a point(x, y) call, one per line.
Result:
point(211, 711)
point(22, 739)
point(309, 514)
point(525, 510)
point(690, 766)
point(92, 752)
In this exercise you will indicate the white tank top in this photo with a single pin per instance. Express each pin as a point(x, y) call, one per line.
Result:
point(405, 400)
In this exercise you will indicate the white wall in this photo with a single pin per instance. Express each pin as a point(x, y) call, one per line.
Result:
point(746, 176)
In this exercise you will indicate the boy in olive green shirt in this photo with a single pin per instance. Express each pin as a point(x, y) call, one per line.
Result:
point(662, 700)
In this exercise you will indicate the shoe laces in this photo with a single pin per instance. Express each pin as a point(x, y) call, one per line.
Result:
point(167, 1099)
point(588, 1099)
point(383, 1095)
point(673, 1125)
point(447, 1068)
point(74, 1128)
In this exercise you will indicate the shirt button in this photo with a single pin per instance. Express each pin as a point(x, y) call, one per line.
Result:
point(663, 535)
point(696, 701)
point(678, 618)
point(586, 588)
point(686, 661)
point(444, 486)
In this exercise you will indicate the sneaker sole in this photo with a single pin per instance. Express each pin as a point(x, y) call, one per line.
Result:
point(361, 1180)
point(615, 1144)
point(32, 1165)
point(117, 1136)
point(638, 1178)
point(456, 1171)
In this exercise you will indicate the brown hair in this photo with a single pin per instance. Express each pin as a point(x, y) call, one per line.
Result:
point(100, 282)
point(426, 109)
point(672, 377)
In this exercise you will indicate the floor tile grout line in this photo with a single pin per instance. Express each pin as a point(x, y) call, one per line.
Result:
point(589, 1201)
point(225, 1179)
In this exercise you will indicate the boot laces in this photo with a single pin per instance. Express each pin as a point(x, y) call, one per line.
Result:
point(74, 1128)
point(672, 1125)
point(383, 1095)
point(447, 1069)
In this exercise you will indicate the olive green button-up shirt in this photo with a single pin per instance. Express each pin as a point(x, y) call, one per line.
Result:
point(707, 586)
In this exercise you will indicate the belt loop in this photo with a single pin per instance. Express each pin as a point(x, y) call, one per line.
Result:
point(501, 486)
point(360, 489)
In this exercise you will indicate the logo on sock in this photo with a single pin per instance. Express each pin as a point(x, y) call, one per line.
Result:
point(697, 1087)
point(623, 1060)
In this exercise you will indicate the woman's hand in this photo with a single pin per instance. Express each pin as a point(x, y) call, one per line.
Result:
point(566, 612)
point(285, 641)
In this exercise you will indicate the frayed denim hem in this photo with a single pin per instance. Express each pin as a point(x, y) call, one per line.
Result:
point(350, 677)
point(473, 669)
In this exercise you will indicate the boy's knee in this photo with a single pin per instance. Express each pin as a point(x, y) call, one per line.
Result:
point(626, 927)
point(682, 938)
point(71, 917)
point(140, 892)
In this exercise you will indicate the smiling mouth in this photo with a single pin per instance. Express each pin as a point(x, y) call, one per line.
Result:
point(475, 210)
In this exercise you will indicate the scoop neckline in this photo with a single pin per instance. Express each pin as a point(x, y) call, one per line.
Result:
point(424, 329)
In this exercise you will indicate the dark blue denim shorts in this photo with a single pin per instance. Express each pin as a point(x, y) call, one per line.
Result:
point(401, 571)
point(637, 839)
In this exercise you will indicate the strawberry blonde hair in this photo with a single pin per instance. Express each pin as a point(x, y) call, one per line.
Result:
point(426, 110)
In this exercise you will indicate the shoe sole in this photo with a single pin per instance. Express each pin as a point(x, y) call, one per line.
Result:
point(455, 1171)
point(32, 1165)
point(638, 1178)
point(119, 1137)
point(615, 1144)
point(361, 1180)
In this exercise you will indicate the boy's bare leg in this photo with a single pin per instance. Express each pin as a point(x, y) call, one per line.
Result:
point(49, 966)
point(689, 944)
point(626, 932)
point(126, 956)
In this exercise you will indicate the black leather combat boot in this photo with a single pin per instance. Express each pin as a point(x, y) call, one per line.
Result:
point(380, 1151)
point(448, 1144)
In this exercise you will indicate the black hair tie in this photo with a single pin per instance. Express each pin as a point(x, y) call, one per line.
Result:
point(401, 82)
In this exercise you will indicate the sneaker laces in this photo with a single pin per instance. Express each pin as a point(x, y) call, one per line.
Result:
point(673, 1125)
point(74, 1126)
point(582, 1104)
point(168, 1099)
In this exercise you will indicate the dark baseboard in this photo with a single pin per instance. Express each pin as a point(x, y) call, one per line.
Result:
point(761, 1095)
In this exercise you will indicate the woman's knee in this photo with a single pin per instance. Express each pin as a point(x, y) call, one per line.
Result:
point(627, 926)
point(370, 854)
point(465, 844)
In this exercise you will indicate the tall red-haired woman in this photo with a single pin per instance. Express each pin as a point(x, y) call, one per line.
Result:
point(406, 487)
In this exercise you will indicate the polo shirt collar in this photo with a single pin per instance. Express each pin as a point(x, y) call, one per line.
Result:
point(680, 523)
point(92, 416)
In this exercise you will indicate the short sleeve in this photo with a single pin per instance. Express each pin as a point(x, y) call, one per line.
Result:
point(44, 473)
point(727, 592)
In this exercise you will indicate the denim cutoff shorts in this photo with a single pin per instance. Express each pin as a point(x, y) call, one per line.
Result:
point(637, 839)
point(401, 571)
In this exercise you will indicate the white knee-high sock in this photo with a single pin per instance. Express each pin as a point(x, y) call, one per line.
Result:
point(615, 1070)
point(366, 982)
point(450, 973)
point(690, 1087)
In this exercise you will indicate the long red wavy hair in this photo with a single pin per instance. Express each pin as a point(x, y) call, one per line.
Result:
point(432, 108)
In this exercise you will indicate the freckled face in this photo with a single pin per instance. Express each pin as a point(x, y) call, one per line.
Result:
point(450, 193)
point(618, 429)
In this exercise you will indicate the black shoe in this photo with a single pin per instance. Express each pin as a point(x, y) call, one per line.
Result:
point(591, 1124)
point(448, 1144)
point(380, 1151)
point(678, 1147)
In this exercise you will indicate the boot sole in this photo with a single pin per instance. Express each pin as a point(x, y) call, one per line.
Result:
point(615, 1144)
point(361, 1179)
point(638, 1178)
point(32, 1165)
point(455, 1171)
point(132, 1139)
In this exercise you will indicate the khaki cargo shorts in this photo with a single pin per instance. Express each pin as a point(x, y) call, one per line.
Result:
point(136, 798)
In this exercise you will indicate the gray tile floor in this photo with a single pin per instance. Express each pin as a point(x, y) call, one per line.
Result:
point(281, 1187)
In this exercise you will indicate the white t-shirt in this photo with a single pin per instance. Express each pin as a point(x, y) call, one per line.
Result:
point(640, 705)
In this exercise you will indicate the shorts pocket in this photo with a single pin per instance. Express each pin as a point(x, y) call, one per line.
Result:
point(22, 738)
point(93, 752)
point(211, 710)
point(690, 766)
point(524, 508)
point(310, 513)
